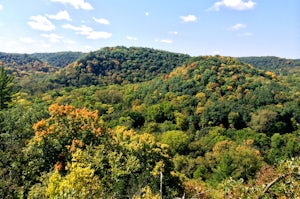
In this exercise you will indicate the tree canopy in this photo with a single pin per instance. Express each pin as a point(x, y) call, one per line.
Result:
point(143, 123)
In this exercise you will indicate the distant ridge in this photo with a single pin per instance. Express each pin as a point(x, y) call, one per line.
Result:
point(57, 59)
point(272, 63)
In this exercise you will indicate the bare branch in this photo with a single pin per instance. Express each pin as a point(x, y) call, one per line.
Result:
point(276, 180)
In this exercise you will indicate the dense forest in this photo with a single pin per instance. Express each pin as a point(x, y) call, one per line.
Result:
point(278, 65)
point(59, 59)
point(144, 123)
point(118, 66)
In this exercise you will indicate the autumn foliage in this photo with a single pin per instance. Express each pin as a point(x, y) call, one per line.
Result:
point(139, 123)
point(66, 129)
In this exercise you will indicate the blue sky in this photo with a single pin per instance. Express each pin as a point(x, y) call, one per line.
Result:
point(196, 27)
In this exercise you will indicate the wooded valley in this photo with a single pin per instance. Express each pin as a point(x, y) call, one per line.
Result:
point(144, 123)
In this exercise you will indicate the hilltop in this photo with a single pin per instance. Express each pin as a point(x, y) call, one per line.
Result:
point(119, 65)
point(128, 64)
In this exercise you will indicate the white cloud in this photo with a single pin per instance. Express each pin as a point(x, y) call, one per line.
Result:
point(99, 35)
point(40, 23)
point(131, 38)
point(173, 32)
point(101, 21)
point(1, 7)
point(188, 18)
point(88, 32)
point(82, 30)
point(166, 41)
point(53, 38)
point(237, 26)
point(62, 15)
point(233, 4)
point(147, 14)
point(27, 40)
point(77, 4)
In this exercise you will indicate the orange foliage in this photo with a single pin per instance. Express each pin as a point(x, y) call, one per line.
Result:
point(223, 146)
point(71, 127)
point(58, 166)
point(271, 74)
point(235, 77)
point(66, 118)
point(39, 125)
point(74, 144)
point(229, 88)
point(71, 113)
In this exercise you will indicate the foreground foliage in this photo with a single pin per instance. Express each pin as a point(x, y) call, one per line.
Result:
point(210, 127)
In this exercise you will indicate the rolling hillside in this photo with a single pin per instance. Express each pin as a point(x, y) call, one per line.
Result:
point(119, 65)
point(275, 64)
point(109, 124)
point(59, 59)
point(38, 63)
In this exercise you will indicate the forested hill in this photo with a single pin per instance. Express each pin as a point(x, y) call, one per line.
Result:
point(59, 59)
point(21, 65)
point(119, 65)
point(219, 91)
point(275, 64)
point(16, 60)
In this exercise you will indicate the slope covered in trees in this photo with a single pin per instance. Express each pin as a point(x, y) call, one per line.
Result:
point(59, 59)
point(210, 127)
point(21, 65)
point(119, 65)
point(275, 64)
point(17, 60)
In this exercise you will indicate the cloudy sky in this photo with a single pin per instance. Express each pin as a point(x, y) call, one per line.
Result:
point(195, 27)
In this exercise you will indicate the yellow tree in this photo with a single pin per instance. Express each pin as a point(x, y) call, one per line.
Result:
point(80, 182)
point(138, 160)
point(58, 137)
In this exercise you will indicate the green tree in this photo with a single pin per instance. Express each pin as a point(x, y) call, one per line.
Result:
point(228, 159)
point(15, 130)
point(7, 88)
point(138, 119)
point(264, 121)
point(160, 112)
point(181, 121)
point(177, 140)
point(284, 147)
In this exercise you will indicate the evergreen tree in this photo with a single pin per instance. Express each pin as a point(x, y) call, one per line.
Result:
point(6, 88)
